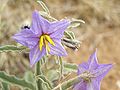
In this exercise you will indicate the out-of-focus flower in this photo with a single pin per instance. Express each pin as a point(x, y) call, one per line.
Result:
point(42, 37)
point(92, 74)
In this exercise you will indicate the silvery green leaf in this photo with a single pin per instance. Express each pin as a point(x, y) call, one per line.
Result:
point(29, 77)
point(52, 75)
point(7, 48)
point(77, 20)
point(75, 23)
point(69, 34)
point(10, 79)
point(71, 43)
point(69, 67)
point(5, 86)
point(45, 81)
point(44, 6)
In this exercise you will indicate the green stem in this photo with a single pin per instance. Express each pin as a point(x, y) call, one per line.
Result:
point(61, 67)
point(39, 72)
point(65, 85)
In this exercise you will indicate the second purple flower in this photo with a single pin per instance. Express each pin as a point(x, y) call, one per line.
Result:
point(43, 37)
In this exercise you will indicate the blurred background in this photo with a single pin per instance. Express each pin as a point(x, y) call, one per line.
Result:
point(101, 31)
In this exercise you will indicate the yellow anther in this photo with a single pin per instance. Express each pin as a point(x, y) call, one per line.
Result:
point(49, 40)
point(45, 40)
point(41, 42)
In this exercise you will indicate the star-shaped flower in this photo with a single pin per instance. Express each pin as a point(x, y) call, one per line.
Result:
point(43, 37)
point(92, 74)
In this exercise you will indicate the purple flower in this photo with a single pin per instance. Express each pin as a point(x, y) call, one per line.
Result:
point(42, 37)
point(92, 73)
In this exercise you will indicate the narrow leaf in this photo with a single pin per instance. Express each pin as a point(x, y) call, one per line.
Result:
point(45, 81)
point(14, 80)
point(69, 34)
point(44, 7)
point(8, 48)
point(70, 67)
point(75, 23)
point(72, 44)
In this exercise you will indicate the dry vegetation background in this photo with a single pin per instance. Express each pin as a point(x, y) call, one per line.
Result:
point(101, 31)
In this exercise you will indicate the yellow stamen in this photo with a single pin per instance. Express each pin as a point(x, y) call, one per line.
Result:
point(49, 40)
point(44, 40)
point(41, 42)
point(47, 46)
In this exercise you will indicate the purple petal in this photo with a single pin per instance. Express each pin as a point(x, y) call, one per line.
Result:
point(58, 49)
point(39, 24)
point(93, 85)
point(93, 62)
point(102, 70)
point(83, 85)
point(80, 86)
point(57, 28)
point(26, 38)
point(82, 68)
point(35, 54)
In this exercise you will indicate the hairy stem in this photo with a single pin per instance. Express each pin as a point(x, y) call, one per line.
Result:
point(67, 84)
point(39, 72)
point(61, 67)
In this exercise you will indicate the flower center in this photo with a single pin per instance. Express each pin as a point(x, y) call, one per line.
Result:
point(87, 76)
point(44, 40)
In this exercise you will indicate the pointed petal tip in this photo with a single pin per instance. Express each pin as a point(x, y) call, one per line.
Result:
point(13, 37)
point(110, 66)
point(95, 52)
point(31, 65)
point(93, 61)
point(64, 53)
point(67, 21)
point(35, 12)
point(102, 70)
